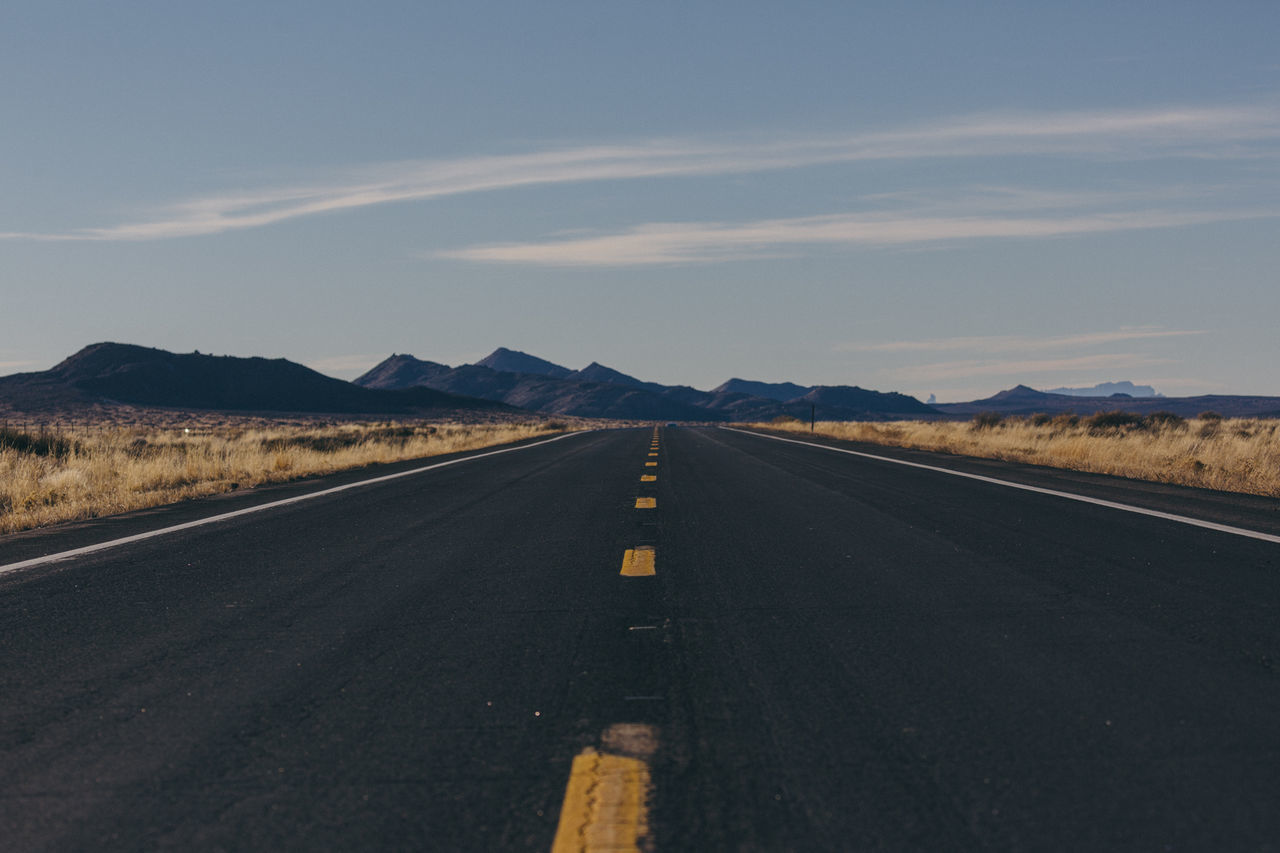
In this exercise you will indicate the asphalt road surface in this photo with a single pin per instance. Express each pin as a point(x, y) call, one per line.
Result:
point(812, 651)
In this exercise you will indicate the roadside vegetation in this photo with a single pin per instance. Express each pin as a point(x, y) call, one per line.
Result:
point(1209, 451)
point(89, 470)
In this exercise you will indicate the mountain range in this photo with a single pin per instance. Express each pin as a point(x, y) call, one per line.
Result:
point(108, 373)
point(523, 380)
point(1107, 389)
point(508, 382)
point(1021, 400)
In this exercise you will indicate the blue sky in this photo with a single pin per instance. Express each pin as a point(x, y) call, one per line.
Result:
point(946, 198)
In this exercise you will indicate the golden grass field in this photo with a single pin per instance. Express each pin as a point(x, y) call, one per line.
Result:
point(95, 469)
point(1233, 455)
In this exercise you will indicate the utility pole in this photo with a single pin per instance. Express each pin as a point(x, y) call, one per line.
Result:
point(813, 415)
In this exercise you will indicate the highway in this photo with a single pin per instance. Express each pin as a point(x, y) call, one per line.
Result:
point(668, 639)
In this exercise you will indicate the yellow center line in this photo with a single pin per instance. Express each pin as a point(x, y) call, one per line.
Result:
point(646, 503)
point(606, 802)
point(651, 464)
point(653, 454)
point(648, 478)
point(638, 562)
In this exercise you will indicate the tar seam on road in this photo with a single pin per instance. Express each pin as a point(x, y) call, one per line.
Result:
point(1154, 513)
point(151, 534)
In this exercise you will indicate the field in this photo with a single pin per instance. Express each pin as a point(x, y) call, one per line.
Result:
point(1234, 455)
point(83, 470)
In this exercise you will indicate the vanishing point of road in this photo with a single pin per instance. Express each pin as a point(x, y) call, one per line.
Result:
point(667, 639)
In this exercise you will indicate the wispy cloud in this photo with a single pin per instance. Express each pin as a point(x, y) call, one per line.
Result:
point(1019, 343)
point(1024, 368)
point(1228, 132)
point(702, 242)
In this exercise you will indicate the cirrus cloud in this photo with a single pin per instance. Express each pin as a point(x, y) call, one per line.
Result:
point(713, 242)
point(1236, 132)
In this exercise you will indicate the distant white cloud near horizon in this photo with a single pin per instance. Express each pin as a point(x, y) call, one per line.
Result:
point(964, 369)
point(1015, 343)
point(1206, 133)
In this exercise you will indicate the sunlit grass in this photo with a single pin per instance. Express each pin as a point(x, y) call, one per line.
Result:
point(87, 471)
point(1234, 455)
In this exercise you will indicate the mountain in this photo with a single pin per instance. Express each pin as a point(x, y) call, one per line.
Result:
point(600, 391)
point(597, 372)
point(513, 361)
point(539, 392)
point(106, 374)
point(1108, 389)
point(854, 398)
point(401, 371)
point(780, 391)
point(124, 373)
point(1021, 400)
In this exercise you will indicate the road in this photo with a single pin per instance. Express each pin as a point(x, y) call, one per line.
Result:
point(814, 651)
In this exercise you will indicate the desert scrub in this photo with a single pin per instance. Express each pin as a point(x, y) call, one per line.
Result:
point(1228, 454)
point(87, 471)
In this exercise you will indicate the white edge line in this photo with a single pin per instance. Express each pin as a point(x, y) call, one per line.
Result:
point(1154, 513)
point(151, 534)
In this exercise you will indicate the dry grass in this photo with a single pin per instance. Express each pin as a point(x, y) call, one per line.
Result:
point(1233, 455)
point(89, 470)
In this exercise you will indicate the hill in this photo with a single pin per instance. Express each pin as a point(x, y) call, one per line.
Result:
point(143, 376)
point(780, 391)
point(860, 399)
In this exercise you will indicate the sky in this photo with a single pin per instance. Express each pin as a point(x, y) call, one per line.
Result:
point(943, 198)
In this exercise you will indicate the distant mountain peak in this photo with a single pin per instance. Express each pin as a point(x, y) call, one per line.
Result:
point(1110, 389)
point(1021, 392)
point(91, 359)
point(400, 370)
point(780, 391)
point(597, 372)
point(125, 373)
point(514, 361)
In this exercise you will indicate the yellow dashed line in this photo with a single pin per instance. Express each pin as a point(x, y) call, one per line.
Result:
point(606, 803)
point(653, 454)
point(648, 478)
point(638, 562)
point(651, 464)
point(646, 503)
